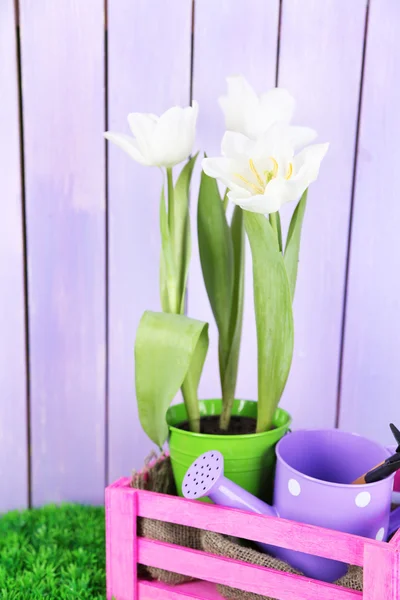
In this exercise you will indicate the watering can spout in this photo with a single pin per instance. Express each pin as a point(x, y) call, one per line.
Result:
point(206, 477)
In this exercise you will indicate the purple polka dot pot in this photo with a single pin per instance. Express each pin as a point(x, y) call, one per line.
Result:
point(313, 478)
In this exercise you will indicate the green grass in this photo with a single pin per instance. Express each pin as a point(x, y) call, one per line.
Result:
point(53, 552)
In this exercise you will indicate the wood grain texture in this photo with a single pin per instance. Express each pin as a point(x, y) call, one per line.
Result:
point(251, 578)
point(63, 93)
point(13, 414)
point(231, 37)
point(149, 71)
point(121, 546)
point(395, 541)
point(259, 528)
point(269, 530)
point(320, 64)
point(381, 561)
point(371, 377)
point(381, 574)
point(196, 590)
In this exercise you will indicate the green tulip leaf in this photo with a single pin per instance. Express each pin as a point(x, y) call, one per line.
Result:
point(236, 316)
point(222, 260)
point(216, 253)
point(167, 346)
point(274, 317)
point(192, 380)
point(225, 201)
point(182, 238)
point(292, 248)
point(275, 222)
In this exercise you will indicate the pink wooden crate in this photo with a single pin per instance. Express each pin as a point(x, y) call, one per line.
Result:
point(125, 549)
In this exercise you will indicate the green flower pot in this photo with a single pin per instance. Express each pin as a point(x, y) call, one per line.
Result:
point(249, 459)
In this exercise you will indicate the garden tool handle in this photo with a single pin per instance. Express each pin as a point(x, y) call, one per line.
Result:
point(380, 471)
point(361, 480)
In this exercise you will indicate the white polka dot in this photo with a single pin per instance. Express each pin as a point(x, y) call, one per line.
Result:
point(380, 535)
point(363, 499)
point(294, 487)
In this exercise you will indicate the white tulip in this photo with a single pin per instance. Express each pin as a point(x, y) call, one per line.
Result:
point(246, 112)
point(161, 141)
point(264, 174)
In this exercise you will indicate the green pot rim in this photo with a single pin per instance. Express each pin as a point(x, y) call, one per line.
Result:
point(279, 429)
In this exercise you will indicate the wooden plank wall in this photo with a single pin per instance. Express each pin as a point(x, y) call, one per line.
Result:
point(320, 63)
point(370, 396)
point(90, 218)
point(62, 47)
point(228, 40)
point(149, 71)
point(13, 401)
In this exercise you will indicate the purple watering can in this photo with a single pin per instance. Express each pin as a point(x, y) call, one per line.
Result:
point(313, 484)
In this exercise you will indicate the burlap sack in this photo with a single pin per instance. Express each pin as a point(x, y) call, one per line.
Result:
point(222, 545)
point(157, 477)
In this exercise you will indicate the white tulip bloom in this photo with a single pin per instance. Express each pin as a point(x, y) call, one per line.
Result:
point(264, 174)
point(246, 112)
point(161, 141)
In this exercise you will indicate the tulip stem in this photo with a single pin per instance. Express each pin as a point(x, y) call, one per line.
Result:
point(275, 222)
point(171, 215)
point(172, 278)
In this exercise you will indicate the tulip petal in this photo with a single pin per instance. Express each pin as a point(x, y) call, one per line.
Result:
point(235, 145)
point(239, 104)
point(307, 163)
point(173, 137)
point(239, 87)
point(191, 113)
point(257, 203)
point(167, 139)
point(280, 191)
point(224, 169)
point(128, 144)
point(252, 115)
point(301, 136)
point(143, 127)
point(277, 105)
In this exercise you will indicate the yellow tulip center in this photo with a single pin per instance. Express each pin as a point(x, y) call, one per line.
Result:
point(262, 182)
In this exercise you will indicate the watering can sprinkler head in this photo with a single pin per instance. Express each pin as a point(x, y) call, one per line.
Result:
point(203, 476)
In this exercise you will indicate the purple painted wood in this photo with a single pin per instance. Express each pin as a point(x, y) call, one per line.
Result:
point(149, 71)
point(121, 544)
point(63, 93)
point(320, 64)
point(371, 376)
point(13, 426)
point(231, 37)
